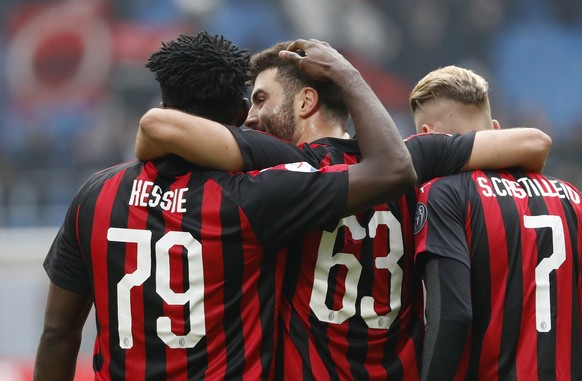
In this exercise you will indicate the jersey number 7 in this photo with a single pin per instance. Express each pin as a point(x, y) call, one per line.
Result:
point(546, 266)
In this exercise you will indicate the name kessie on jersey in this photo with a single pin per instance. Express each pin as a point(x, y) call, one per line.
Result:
point(526, 187)
point(147, 194)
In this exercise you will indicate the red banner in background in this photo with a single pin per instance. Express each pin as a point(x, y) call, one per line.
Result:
point(65, 51)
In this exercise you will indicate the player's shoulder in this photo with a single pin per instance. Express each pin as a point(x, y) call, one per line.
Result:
point(332, 150)
point(109, 172)
point(446, 183)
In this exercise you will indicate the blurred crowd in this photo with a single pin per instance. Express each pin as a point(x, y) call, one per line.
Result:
point(74, 82)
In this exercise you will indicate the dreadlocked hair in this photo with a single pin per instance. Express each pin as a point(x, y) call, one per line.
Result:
point(205, 75)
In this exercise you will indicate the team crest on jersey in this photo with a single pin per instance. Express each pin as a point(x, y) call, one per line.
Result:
point(300, 166)
point(420, 217)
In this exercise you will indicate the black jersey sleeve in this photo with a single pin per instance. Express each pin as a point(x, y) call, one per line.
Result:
point(260, 150)
point(436, 154)
point(64, 263)
point(448, 317)
point(440, 220)
point(282, 203)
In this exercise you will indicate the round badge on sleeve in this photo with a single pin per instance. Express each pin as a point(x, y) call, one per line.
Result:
point(420, 217)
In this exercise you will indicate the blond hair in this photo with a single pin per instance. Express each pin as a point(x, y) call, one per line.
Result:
point(450, 83)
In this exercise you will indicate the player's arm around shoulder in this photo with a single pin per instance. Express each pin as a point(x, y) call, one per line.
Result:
point(523, 147)
point(198, 140)
point(386, 170)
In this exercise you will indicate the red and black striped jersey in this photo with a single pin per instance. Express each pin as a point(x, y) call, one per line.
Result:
point(521, 236)
point(186, 264)
point(352, 306)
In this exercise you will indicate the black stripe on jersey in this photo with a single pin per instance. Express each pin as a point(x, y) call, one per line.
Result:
point(482, 277)
point(85, 244)
point(415, 330)
point(513, 302)
point(116, 252)
point(390, 357)
point(233, 262)
point(292, 268)
point(576, 352)
point(320, 329)
point(298, 332)
point(301, 342)
point(197, 357)
point(266, 287)
point(279, 356)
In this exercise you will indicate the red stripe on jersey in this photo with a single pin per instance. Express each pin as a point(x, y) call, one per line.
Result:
point(252, 332)
point(99, 243)
point(564, 294)
point(406, 353)
point(326, 161)
point(291, 354)
point(176, 358)
point(412, 306)
point(498, 262)
point(300, 302)
point(279, 301)
point(464, 362)
point(334, 168)
point(338, 333)
point(579, 261)
point(213, 280)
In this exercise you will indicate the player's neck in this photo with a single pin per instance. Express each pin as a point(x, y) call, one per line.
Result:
point(319, 131)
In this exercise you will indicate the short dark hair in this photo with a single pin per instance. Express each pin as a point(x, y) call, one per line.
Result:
point(205, 75)
point(294, 79)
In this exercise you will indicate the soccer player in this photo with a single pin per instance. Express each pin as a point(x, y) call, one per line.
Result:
point(183, 264)
point(333, 329)
point(353, 303)
point(499, 252)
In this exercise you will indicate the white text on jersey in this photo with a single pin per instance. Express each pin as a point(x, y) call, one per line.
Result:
point(526, 187)
point(147, 194)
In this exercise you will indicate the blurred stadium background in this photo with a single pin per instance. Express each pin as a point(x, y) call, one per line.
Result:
point(74, 86)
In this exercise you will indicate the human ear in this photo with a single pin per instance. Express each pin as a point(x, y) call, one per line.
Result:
point(496, 125)
point(309, 101)
point(243, 112)
point(426, 128)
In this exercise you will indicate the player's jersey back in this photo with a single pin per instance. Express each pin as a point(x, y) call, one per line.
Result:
point(352, 306)
point(185, 265)
point(524, 235)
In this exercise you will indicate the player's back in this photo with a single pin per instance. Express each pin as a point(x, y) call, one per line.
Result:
point(524, 238)
point(186, 265)
point(352, 306)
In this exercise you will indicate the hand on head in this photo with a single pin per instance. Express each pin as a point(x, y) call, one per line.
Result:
point(316, 58)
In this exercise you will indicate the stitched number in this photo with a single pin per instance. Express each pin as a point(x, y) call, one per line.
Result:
point(546, 266)
point(193, 295)
point(326, 260)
